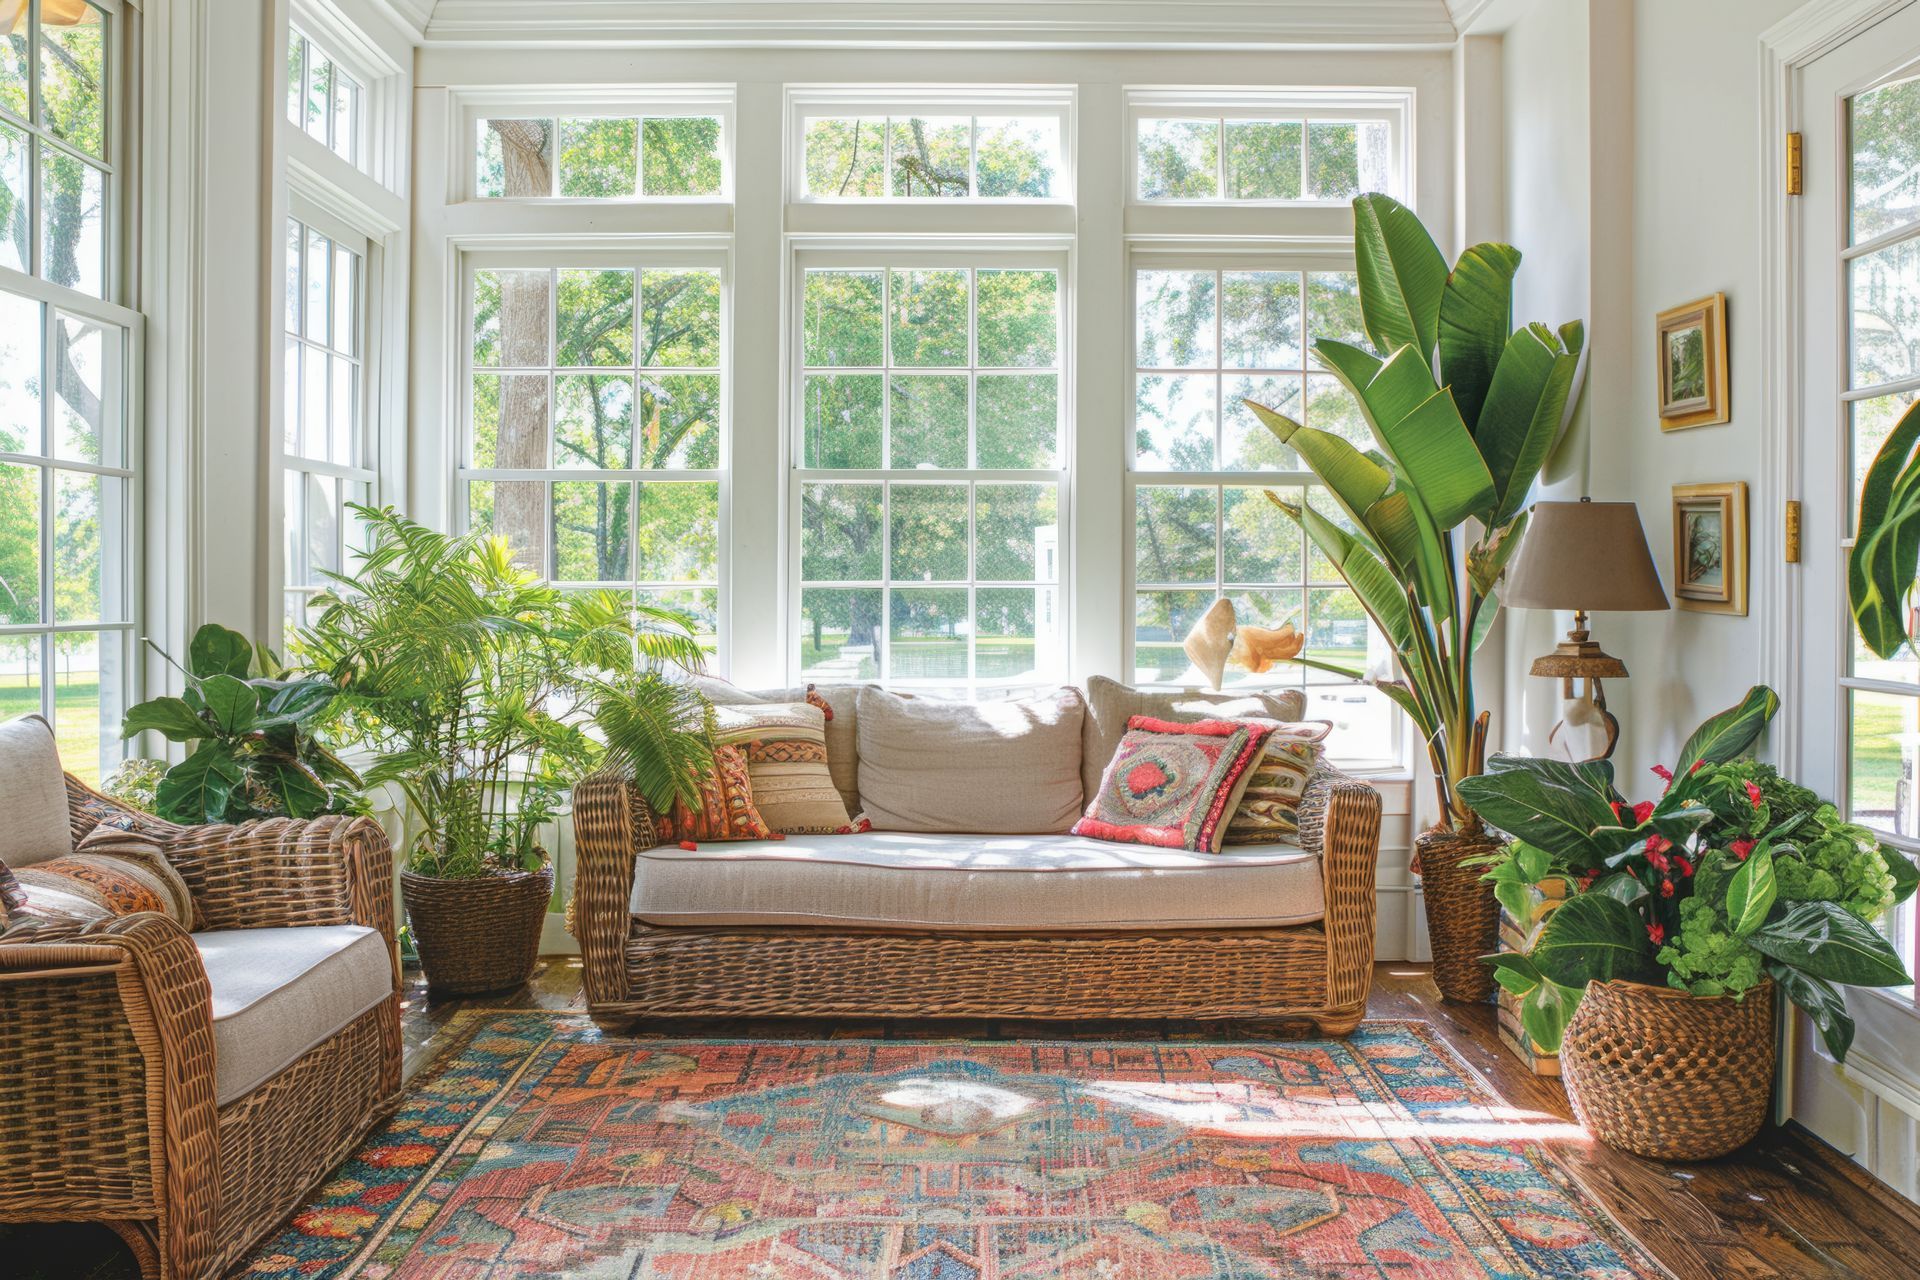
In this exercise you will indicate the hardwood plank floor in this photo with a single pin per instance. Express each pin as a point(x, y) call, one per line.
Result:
point(1785, 1206)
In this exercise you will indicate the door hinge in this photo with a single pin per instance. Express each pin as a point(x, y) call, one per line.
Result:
point(1792, 526)
point(1793, 164)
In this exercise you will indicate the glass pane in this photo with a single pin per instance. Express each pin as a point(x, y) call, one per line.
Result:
point(1364, 721)
point(841, 424)
point(1016, 532)
point(1883, 744)
point(680, 156)
point(700, 605)
point(19, 671)
point(73, 248)
point(346, 116)
point(929, 317)
point(1331, 407)
point(1174, 534)
point(1017, 633)
point(930, 156)
point(599, 157)
point(1872, 422)
point(293, 565)
point(290, 396)
point(1179, 159)
point(1161, 620)
point(511, 311)
point(846, 158)
point(593, 421)
point(679, 536)
point(515, 510)
point(321, 525)
point(85, 416)
point(1886, 314)
point(295, 243)
point(86, 725)
point(1173, 421)
point(929, 632)
point(13, 65)
point(840, 634)
point(319, 278)
point(1017, 420)
point(319, 94)
point(346, 301)
point(1017, 158)
point(1247, 444)
point(1260, 320)
point(1336, 627)
point(314, 384)
point(927, 534)
point(1263, 159)
point(1333, 161)
point(844, 318)
point(592, 531)
point(929, 423)
point(343, 422)
point(19, 374)
point(73, 75)
point(680, 421)
point(1886, 158)
point(595, 317)
point(1262, 544)
point(1175, 311)
point(296, 48)
point(515, 158)
point(14, 229)
point(82, 518)
point(840, 533)
point(680, 319)
point(1376, 158)
point(1017, 319)
point(1333, 309)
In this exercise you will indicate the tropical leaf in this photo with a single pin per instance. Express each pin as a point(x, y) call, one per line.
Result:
point(218, 651)
point(232, 702)
point(1820, 1001)
point(1526, 405)
point(1751, 892)
point(1549, 803)
point(1906, 876)
point(1384, 599)
point(171, 718)
point(300, 792)
point(1545, 1012)
point(1476, 310)
point(1826, 940)
point(1886, 549)
point(1355, 480)
point(1592, 938)
point(1728, 734)
point(198, 789)
point(1402, 276)
point(1487, 561)
point(295, 701)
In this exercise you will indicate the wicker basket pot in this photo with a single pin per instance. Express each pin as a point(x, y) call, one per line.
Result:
point(1667, 1075)
point(479, 934)
point(1463, 917)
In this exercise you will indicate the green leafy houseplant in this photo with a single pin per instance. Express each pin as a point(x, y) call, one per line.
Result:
point(1731, 877)
point(1464, 411)
point(1886, 547)
point(251, 727)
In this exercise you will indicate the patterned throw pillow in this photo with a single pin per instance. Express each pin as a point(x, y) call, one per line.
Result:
point(785, 744)
point(1170, 784)
point(726, 806)
point(113, 872)
point(1268, 809)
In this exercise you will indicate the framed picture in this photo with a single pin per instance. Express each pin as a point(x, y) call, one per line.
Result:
point(1693, 364)
point(1710, 547)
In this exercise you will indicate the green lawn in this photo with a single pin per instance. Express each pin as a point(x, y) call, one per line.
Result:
point(76, 725)
point(1877, 763)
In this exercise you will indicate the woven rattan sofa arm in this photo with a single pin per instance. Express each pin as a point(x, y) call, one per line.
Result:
point(1340, 821)
point(107, 1101)
point(611, 825)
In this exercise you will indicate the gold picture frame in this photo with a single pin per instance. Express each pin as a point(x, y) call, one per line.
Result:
point(1691, 364)
point(1710, 547)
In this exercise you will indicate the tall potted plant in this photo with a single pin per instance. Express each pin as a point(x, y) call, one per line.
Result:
point(468, 679)
point(1464, 410)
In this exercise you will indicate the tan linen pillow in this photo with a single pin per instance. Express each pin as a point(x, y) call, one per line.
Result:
point(843, 750)
point(786, 748)
point(33, 794)
point(996, 768)
point(1111, 704)
point(1267, 808)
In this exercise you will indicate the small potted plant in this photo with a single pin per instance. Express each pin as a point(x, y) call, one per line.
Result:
point(1656, 978)
point(466, 678)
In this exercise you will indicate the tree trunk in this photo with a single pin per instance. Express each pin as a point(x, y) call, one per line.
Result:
point(520, 506)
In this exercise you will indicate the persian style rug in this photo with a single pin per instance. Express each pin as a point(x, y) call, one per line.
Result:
point(538, 1147)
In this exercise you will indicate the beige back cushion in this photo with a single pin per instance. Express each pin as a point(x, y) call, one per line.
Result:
point(33, 794)
point(1111, 704)
point(990, 767)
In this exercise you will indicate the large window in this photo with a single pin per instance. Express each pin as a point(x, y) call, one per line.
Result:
point(66, 452)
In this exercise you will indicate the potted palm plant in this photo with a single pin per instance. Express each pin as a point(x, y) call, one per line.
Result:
point(1465, 410)
point(468, 680)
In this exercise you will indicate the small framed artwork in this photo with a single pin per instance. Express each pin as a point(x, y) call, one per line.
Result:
point(1710, 547)
point(1693, 364)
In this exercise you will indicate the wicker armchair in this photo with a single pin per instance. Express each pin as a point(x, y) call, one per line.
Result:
point(108, 1108)
point(1314, 975)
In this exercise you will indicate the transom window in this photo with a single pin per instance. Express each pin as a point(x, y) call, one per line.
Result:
point(873, 157)
point(1260, 147)
point(600, 157)
point(58, 181)
point(324, 99)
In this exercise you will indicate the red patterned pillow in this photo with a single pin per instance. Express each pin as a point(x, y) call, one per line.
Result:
point(726, 806)
point(1171, 784)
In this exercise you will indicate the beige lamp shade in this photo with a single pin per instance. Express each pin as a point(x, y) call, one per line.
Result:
point(1585, 555)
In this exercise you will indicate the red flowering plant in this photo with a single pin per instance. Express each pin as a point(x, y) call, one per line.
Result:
point(1731, 876)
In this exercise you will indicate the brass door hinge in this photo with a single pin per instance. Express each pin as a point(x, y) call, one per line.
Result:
point(1793, 531)
point(1793, 164)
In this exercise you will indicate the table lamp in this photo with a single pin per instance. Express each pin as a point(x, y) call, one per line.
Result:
point(1585, 556)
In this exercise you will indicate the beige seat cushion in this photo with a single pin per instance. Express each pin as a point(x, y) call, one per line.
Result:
point(33, 794)
point(975, 883)
point(279, 992)
point(1111, 704)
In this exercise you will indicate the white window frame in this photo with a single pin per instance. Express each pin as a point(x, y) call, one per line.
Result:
point(655, 102)
point(358, 146)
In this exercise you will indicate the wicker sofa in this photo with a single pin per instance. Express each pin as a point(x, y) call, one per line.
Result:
point(1040, 927)
point(189, 1089)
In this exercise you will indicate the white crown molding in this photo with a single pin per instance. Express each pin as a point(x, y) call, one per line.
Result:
point(987, 23)
point(411, 16)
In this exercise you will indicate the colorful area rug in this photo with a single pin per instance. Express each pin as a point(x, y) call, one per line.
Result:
point(540, 1148)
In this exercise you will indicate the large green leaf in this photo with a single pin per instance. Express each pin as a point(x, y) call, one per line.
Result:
point(1476, 311)
point(218, 651)
point(1549, 803)
point(1355, 480)
point(1525, 407)
point(199, 788)
point(1593, 938)
point(296, 701)
point(232, 702)
point(1402, 276)
point(1820, 1001)
point(1906, 876)
point(1828, 941)
point(1384, 599)
point(1728, 734)
point(1486, 562)
point(299, 791)
point(1751, 892)
point(171, 718)
point(1881, 566)
point(1545, 1012)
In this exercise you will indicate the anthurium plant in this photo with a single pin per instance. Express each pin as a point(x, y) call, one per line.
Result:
point(1732, 875)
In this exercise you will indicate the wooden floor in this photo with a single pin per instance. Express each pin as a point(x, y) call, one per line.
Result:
point(1787, 1205)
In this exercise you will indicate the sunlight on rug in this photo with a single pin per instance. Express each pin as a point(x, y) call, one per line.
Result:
point(539, 1147)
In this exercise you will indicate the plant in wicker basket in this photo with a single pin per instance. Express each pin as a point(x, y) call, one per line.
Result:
point(1465, 410)
point(1655, 978)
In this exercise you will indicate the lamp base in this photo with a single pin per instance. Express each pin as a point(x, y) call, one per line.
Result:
point(1579, 657)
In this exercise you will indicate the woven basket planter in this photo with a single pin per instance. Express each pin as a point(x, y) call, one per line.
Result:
point(1667, 1075)
point(1463, 917)
point(480, 934)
